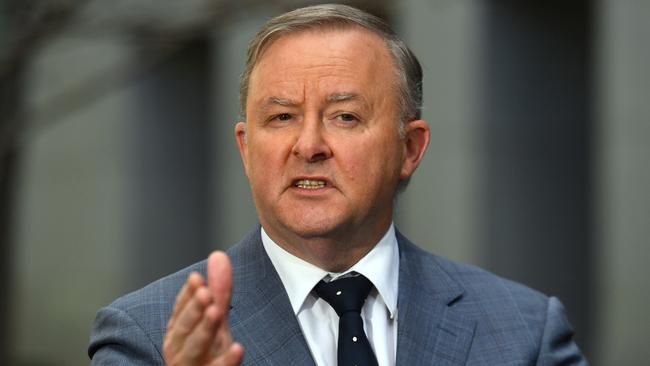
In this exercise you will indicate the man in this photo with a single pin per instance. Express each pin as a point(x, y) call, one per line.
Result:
point(331, 99)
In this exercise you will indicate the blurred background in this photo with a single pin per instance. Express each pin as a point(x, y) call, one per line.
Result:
point(118, 163)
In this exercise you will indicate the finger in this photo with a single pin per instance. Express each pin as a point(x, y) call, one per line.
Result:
point(220, 284)
point(222, 338)
point(220, 279)
point(198, 344)
point(194, 281)
point(233, 356)
point(186, 320)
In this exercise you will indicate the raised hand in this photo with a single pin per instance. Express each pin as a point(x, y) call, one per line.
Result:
point(198, 332)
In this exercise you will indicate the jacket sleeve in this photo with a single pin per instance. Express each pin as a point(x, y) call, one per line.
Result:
point(117, 339)
point(558, 347)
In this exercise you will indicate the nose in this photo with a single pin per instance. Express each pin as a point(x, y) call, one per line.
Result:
point(311, 145)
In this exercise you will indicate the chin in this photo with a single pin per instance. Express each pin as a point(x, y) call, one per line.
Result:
point(309, 229)
point(312, 231)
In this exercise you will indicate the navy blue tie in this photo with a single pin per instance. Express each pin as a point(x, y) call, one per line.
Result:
point(346, 296)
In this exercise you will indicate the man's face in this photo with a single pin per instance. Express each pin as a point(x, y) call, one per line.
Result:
point(320, 146)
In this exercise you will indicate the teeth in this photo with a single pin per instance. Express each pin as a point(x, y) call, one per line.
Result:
point(310, 184)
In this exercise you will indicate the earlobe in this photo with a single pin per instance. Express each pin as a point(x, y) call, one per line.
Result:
point(240, 136)
point(416, 142)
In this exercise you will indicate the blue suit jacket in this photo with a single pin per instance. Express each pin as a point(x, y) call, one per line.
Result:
point(448, 314)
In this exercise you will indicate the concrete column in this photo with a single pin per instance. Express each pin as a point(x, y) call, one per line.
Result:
point(69, 248)
point(624, 173)
point(439, 209)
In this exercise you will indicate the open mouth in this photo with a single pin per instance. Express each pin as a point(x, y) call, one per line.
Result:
point(310, 184)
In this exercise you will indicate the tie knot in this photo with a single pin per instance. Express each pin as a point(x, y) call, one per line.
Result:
point(345, 294)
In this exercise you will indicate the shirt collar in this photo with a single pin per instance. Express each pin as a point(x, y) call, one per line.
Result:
point(380, 266)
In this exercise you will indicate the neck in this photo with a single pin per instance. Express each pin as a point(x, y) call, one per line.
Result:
point(332, 253)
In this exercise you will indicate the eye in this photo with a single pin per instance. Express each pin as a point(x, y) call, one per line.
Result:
point(347, 117)
point(283, 117)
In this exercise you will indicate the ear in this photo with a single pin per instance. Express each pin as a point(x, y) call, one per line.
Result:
point(240, 136)
point(416, 141)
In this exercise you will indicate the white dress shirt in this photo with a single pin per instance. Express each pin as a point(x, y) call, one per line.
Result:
point(318, 320)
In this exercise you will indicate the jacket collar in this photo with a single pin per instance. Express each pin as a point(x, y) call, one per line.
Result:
point(429, 331)
point(261, 315)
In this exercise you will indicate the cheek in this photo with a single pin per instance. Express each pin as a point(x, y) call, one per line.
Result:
point(267, 160)
point(370, 164)
point(265, 166)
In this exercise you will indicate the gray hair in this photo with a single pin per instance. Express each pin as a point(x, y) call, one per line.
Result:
point(408, 69)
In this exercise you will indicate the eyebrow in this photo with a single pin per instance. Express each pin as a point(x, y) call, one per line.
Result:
point(273, 101)
point(332, 98)
point(342, 97)
point(349, 97)
point(280, 101)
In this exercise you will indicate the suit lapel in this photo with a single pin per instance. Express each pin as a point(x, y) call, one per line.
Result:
point(429, 331)
point(261, 316)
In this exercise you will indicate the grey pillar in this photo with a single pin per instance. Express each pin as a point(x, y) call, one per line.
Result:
point(537, 152)
point(167, 214)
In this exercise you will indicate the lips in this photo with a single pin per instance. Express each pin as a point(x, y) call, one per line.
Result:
point(310, 183)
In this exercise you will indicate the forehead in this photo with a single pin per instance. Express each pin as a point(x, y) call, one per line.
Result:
point(351, 59)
